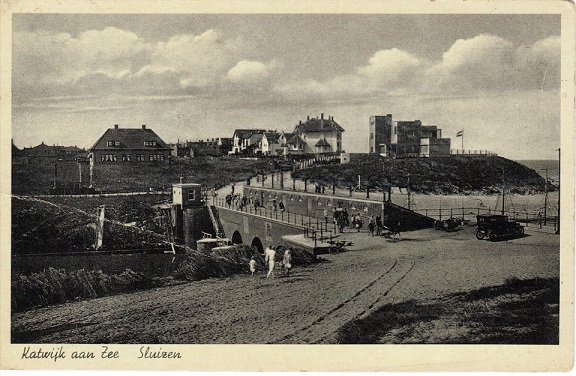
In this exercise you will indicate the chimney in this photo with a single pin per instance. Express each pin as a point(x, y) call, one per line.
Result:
point(308, 117)
point(115, 126)
point(143, 126)
point(300, 122)
point(322, 116)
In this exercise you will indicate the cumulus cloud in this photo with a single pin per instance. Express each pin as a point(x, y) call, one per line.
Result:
point(247, 72)
point(480, 65)
point(112, 60)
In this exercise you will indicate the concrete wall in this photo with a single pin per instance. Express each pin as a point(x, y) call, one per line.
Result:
point(250, 227)
point(323, 205)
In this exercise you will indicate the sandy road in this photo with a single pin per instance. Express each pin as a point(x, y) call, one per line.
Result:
point(307, 307)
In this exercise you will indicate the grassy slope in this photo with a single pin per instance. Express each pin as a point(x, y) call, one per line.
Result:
point(434, 175)
point(38, 179)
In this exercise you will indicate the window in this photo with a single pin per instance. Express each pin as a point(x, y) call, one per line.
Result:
point(371, 148)
point(150, 143)
point(112, 143)
point(395, 130)
point(371, 136)
point(191, 195)
point(125, 157)
point(108, 158)
point(156, 157)
point(140, 157)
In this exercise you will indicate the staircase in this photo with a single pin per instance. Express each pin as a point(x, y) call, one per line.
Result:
point(218, 229)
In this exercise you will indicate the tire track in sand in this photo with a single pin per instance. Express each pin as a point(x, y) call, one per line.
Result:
point(325, 325)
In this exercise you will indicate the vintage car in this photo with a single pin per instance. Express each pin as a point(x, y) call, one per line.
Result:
point(494, 226)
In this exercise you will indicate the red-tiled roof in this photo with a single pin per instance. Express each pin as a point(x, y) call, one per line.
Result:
point(130, 138)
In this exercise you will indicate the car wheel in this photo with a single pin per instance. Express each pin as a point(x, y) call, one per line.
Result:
point(480, 234)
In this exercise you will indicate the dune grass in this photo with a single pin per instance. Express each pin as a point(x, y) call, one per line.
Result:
point(56, 286)
point(517, 312)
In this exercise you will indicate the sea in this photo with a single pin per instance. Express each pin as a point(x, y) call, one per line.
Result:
point(540, 165)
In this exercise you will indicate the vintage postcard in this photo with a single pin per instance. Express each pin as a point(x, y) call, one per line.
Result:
point(281, 186)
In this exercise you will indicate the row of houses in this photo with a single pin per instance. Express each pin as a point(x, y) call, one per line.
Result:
point(402, 139)
point(47, 154)
point(317, 135)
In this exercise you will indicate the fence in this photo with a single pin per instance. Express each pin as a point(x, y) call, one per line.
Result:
point(315, 228)
point(471, 152)
point(471, 213)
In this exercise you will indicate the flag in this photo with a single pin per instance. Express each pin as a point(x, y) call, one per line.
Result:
point(460, 134)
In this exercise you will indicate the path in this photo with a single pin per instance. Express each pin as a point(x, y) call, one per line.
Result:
point(307, 307)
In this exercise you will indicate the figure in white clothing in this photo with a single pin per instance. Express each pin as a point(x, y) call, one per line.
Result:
point(252, 265)
point(287, 261)
point(269, 255)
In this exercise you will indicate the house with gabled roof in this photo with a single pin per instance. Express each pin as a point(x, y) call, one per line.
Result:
point(320, 136)
point(270, 143)
point(246, 139)
point(129, 145)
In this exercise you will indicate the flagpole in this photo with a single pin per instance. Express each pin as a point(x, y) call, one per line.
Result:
point(462, 141)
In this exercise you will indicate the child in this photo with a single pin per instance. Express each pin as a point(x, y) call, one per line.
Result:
point(287, 261)
point(252, 265)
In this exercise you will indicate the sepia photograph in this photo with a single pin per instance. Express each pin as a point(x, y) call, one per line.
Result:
point(319, 178)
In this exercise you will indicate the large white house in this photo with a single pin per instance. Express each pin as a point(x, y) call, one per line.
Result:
point(319, 135)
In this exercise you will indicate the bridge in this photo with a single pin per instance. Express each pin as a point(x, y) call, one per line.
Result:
point(266, 216)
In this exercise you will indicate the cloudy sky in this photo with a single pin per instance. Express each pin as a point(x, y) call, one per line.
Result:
point(188, 77)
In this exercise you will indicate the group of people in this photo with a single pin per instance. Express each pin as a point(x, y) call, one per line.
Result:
point(270, 260)
point(355, 222)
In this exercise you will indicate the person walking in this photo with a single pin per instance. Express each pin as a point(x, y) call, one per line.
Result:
point(252, 265)
point(269, 255)
point(371, 225)
point(287, 261)
point(359, 223)
point(396, 231)
point(378, 224)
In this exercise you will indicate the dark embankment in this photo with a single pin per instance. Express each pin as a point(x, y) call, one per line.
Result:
point(518, 312)
point(63, 224)
point(440, 175)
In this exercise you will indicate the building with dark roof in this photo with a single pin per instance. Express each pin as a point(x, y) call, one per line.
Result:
point(246, 140)
point(130, 145)
point(271, 143)
point(320, 135)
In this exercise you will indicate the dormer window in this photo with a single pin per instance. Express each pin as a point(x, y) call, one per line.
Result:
point(149, 143)
point(113, 143)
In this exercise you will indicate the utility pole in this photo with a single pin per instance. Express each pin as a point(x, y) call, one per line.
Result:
point(503, 190)
point(545, 195)
point(408, 190)
point(558, 221)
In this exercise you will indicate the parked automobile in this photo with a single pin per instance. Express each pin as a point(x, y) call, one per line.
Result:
point(493, 226)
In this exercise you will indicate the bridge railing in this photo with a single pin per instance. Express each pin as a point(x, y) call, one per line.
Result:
point(323, 224)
